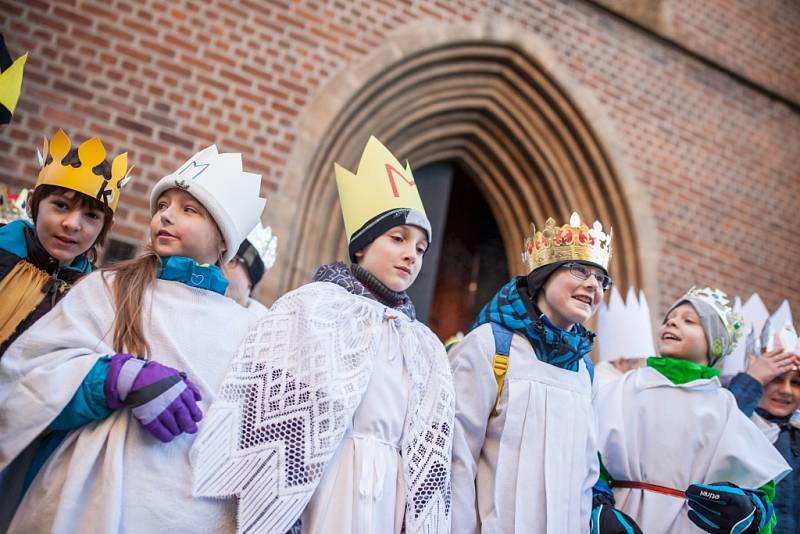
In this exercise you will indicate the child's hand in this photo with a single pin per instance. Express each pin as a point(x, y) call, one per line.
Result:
point(723, 507)
point(770, 365)
point(163, 400)
point(624, 364)
point(606, 519)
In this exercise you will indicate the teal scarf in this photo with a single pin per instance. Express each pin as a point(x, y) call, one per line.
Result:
point(189, 272)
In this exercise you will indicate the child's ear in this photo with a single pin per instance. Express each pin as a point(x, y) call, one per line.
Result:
point(29, 206)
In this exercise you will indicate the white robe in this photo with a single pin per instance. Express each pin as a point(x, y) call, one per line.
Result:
point(531, 467)
point(256, 308)
point(112, 475)
point(654, 431)
point(323, 397)
point(362, 490)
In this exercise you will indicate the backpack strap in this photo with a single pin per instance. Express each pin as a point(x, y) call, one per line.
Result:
point(502, 347)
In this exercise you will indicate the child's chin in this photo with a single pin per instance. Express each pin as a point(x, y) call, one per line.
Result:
point(579, 316)
point(665, 352)
point(399, 287)
point(780, 410)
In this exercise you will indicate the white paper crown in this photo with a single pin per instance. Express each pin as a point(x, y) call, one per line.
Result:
point(265, 244)
point(623, 327)
point(755, 316)
point(228, 193)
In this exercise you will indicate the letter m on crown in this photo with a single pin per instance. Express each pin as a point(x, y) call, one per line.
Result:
point(193, 169)
point(391, 172)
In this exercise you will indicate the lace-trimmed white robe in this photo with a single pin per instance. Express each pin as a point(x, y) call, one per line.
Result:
point(112, 475)
point(338, 409)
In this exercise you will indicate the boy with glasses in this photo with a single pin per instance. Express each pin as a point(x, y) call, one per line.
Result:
point(677, 451)
point(525, 443)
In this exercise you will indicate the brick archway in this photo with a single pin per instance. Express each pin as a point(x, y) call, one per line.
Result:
point(487, 99)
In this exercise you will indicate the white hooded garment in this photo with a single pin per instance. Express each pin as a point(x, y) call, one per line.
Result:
point(112, 475)
point(656, 432)
point(530, 467)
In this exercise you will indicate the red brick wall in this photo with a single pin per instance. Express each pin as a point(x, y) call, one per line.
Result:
point(757, 39)
point(718, 160)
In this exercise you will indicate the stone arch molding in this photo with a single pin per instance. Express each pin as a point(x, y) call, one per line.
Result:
point(488, 97)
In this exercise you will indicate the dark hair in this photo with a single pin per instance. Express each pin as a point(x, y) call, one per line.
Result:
point(85, 201)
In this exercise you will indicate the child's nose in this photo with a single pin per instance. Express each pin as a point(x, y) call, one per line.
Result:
point(592, 282)
point(72, 221)
point(786, 387)
point(167, 215)
point(411, 253)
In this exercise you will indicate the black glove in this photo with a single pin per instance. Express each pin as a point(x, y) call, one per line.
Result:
point(724, 508)
point(606, 519)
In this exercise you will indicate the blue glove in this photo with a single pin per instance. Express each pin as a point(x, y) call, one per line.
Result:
point(724, 508)
point(606, 519)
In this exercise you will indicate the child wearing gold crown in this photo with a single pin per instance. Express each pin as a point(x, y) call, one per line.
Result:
point(72, 208)
point(338, 409)
point(126, 363)
point(677, 451)
point(525, 444)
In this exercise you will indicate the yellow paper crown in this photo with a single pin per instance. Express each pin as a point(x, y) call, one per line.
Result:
point(83, 179)
point(381, 184)
point(574, 241)
point(11, 84)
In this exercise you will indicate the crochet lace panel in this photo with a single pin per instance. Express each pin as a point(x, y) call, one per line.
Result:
point(290, 395)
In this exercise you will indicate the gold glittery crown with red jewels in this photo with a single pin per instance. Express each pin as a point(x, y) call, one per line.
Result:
point(574, 241)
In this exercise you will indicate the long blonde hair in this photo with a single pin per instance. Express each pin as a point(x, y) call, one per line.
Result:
point(131, 280)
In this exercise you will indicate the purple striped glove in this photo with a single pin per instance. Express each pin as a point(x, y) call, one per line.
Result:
point(161, 398)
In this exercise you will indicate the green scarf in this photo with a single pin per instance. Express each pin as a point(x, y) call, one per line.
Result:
point(681, 371)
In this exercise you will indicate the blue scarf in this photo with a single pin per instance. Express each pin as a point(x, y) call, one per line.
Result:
point(191, 273)
point(553, 345)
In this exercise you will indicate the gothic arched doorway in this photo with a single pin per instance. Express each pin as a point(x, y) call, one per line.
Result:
point(466, 263)
point(493, 112)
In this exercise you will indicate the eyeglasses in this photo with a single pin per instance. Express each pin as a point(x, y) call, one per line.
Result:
point(583, 272)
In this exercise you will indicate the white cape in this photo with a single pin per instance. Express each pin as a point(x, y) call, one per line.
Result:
point(291, 396)
point(112, 475)
point(654, 431)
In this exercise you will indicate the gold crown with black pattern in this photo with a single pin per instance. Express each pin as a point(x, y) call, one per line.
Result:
point(570, 242)
point(83, 179)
